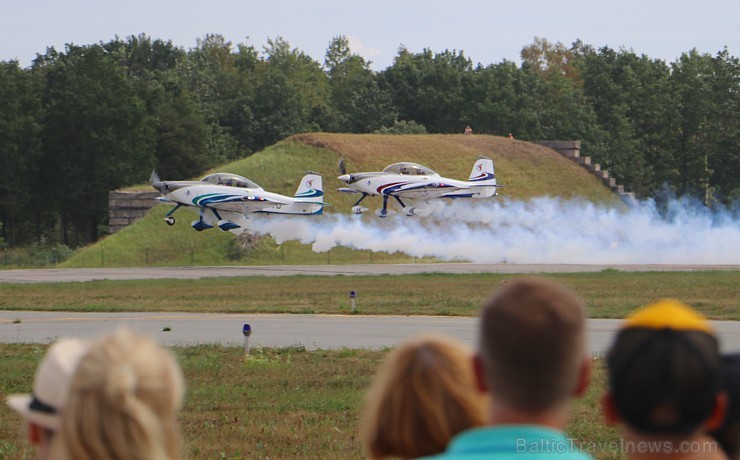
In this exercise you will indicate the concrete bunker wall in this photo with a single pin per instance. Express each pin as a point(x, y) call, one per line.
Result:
point(125, 208)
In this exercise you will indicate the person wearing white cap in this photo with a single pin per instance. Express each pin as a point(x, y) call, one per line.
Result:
point(50, 388)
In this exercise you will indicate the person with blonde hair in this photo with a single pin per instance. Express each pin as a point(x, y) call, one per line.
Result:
point(123, 402)
point(422, 396)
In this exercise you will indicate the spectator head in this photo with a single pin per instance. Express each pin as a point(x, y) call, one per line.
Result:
point(51, 383)
point(532, 353)
point(664, 372)
point(423, 395)
point(123, 402)
point(728, 434)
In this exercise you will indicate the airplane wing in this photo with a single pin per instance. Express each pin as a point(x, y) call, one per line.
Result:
point(427, 190)
point(238, 202)
point(348, 190)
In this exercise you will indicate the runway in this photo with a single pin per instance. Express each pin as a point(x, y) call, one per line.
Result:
point(128, 273)
point(281, 330)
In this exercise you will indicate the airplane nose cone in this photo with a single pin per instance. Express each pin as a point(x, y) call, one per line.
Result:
point(346, 178)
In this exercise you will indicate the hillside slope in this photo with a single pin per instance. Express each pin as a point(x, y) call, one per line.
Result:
point(526, 170)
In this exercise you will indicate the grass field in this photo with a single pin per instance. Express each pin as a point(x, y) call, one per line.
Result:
point(609, 294)
point(277, 403)
point(297, 404)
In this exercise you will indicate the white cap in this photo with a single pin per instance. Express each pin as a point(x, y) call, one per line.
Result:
point(51, 384)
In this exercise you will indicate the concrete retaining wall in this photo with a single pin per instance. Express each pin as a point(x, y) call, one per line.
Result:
point(125, 208)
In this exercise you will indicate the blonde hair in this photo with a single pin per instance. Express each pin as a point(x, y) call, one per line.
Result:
point(123, 402)
point(423, 395)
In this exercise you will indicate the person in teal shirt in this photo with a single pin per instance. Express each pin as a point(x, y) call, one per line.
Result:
point(531, 361)
point(512, 441)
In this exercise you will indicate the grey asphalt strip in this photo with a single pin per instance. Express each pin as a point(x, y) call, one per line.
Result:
point(280, 330)
point(90, 274)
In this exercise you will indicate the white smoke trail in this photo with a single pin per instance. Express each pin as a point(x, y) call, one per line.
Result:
point(542, 230)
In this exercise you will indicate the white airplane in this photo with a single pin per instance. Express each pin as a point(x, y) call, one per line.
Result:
point(223, 199)
point(409, 183)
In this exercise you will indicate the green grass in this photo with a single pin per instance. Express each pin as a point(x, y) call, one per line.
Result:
point(609, 294)
point(526, 170)
point(277, 403)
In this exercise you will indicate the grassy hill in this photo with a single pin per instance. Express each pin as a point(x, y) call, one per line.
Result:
point(526, 170)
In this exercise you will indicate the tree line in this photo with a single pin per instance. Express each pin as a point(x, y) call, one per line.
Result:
point(78, 123)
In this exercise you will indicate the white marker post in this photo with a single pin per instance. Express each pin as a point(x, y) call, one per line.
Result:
point(247, 331)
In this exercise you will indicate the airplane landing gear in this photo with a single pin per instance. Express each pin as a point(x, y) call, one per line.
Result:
point(382, 213)
point(408, 210)
point(168, 219)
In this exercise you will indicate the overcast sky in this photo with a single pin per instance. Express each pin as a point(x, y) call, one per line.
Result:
point(488, 31)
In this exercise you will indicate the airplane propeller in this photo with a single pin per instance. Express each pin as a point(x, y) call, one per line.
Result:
point(341, 166)
point(154, 178)
point(157, 183)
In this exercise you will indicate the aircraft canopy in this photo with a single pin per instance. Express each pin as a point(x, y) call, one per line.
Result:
point(231, 180)
point(409, 169)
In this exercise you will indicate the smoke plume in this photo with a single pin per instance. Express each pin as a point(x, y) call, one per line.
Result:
point(541, 230)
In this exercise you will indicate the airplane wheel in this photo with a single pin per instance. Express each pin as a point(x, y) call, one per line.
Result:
point(169, 220)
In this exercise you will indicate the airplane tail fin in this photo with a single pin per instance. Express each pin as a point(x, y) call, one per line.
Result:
point(482, 173)
point(310, 189)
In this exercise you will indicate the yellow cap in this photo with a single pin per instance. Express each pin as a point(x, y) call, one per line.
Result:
point(671, 314)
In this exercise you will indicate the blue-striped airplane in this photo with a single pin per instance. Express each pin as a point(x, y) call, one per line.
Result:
point(412, 185)
point(223, 199)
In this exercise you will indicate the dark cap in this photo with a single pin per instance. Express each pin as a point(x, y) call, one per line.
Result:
point(728, 434)
point(664, 369)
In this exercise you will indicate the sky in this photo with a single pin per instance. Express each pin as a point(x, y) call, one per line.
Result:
point(487, 31)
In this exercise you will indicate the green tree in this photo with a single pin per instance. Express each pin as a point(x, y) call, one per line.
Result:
point(181, 139)
point(498, 101)
point(181, 131)
point(143, 57)
point(96, 137)
point(556, 88)
point(725, 130)
point(428, 88)
point(692, 79)
point(632, 99)
point(358, 104)
point(209, 74)
point(291, 94)
point(19, 154)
